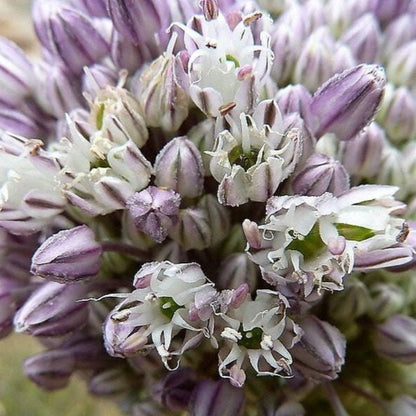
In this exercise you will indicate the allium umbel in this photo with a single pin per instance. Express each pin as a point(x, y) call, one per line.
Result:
point(209, 207)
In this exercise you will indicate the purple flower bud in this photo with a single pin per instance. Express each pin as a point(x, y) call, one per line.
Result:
point(387, 11)
point(50, 370)
point(126, 54)
point(210, 9)
point(386, 300)
point(154, 211)
point(235, 270)
point(399, 32)
point(174, 391)
point(313, 67)
point(401, 66)
point(165, 103)
point(69, 35)
point(137, 21)
point(277, 408)
point(14, 121)
point(53, 310)
point(364, 39)
point(12, 294)
point(319, 354)
point(347, 102)
point(350, 303)
point(397, 255)
point(68, 255)
point(396, 339)
point(109, 382)
point(179, 167)
point(321, 174)
point(16, 74)
point(397, 113)
point(97, 77)
point(62, 91)
point(295, 99)
point(361, 156)
point(96, 8)
point(193, 229)
point(217, 398)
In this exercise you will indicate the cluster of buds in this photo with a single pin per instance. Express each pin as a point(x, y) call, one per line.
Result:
point(194, 194)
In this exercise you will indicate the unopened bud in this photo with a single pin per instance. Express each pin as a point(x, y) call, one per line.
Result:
point(397, 114)
point(364, 39)
point(320, 353)
point(401, 66)
point(165, 103)
point(347, 102)
point(361, 156)
point(321, 174)
point(69, 35)
point(396, 339)
point(217, 398)
point(386, 300)
point(154, 210)
point(109, 382)
point(50, 370)
point(174, 391)
point(53, 310)
point(179, 167)
point(235, 270)
point(68, 255)
point(210, 9)
point(387, 11)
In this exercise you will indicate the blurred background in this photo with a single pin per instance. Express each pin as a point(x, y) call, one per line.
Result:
point(18, 395)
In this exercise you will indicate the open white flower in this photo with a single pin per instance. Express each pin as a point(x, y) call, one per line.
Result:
point(169, 298)
point(259, 331)
point(316, 240)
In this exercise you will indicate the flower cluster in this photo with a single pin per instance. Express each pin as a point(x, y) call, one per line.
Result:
point(209, 206)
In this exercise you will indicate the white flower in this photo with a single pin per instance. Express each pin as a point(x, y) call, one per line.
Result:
point(314, 240)
point(223, 67)
point(259, 331)
point(169, 298)
point(255, 156)
point(29, 196)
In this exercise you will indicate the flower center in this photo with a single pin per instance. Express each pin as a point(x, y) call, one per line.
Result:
point(168, 306)
point(251, 339)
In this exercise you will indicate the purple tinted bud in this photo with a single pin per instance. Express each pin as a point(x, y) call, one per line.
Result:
point(69, 35)
point(122, 339)
point(361, 155)
point(235, 270)
point(139, 21)
point(295, 99)
point(321, 174)
point(96, 8)
point(364, 39)
point(210, 9)
point(50, 370)
point(401, 66)
point(179, 167)
point(12, 294)
point(397, 255)
point(347, 102)
point(388, 10)
point(16, 122)
point(154, 211)
point(174, 391)
point(313, 67)
point(319, 354)
point(396, 339)
point(109, 382)
point(125, 54)
point(399, 32)
point(16, 73)
point(386, 300)
point(62, 91)
point(193, 229)
point(68, 255)
point(217, 398)
point(97, 77)
point(397, 113)
point(54, 309)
